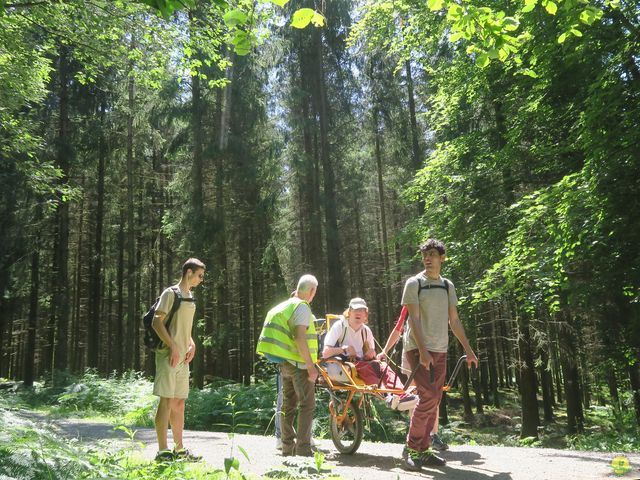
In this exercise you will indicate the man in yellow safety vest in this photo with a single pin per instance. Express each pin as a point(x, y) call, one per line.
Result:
point(289, 339)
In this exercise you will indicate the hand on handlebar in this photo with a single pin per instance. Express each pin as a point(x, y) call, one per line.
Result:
point(426, 360)
point(472, 359)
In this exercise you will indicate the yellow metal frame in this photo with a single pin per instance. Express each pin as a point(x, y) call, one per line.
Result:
point(354, 386)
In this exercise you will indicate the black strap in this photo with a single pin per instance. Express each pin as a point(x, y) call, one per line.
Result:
point(363, 334)
point(176, 305)
point(430, 286)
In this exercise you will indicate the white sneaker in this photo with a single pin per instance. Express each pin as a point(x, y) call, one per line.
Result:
point(401, 402)
point(278, 444)
point(392, 401)
point(407, 402)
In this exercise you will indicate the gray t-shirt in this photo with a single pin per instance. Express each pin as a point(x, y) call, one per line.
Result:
point(434, 311)
point(301, 316)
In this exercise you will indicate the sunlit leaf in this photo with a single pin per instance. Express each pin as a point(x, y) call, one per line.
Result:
point(318, 19)
point(482, 60)
point(302, 17)
point(235, 17)
point(551, 7)
point(435, 5)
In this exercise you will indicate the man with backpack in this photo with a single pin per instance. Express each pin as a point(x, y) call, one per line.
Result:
point(172, 322)
point(432, 304)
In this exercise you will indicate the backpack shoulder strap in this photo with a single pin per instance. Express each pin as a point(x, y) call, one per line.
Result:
point(428, 286)
point(176, 304)
point(344, 332)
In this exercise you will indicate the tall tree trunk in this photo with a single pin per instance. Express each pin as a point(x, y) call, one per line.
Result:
point(546, 381)
point(119, 360)
point(494, 363)
point(197, 218)
point(571, 374)
point(416, 154)
point(60, 304)
point(335, 280)
point(95, 319)
point(383, 217)
point(221, 282)
point(528, 389)
point(612, 383)
point(131, 232)
point(78, 345)
point(30, 350)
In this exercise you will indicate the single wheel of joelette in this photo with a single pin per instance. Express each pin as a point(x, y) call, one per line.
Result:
point(347, 435)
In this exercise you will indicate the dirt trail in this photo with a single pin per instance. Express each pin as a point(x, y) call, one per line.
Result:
point(375, 461)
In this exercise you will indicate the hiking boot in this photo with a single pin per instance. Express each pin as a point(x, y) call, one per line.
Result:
point(165, 456)
point(186, 455)
point(413, 459)
point(438, 444)
point(432, 460)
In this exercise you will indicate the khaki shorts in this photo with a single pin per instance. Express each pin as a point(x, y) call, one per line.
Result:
point(170, 382)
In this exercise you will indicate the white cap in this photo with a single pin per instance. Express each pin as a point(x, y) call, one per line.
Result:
point(357, 303)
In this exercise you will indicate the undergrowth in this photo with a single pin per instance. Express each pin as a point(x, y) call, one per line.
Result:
point(227, 406)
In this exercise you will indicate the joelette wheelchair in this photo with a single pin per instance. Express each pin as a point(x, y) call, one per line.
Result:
point(350, 396)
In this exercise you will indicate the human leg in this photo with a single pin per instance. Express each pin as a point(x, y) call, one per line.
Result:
point(289, 404)
point(162, 422)
point(164, 387)
point(305, 393)
point(278, 415)
point(436, 441)
point(177, 421)
point(429, 394)
point(367, 372)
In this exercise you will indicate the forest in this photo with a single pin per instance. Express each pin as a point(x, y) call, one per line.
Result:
point(273, 138)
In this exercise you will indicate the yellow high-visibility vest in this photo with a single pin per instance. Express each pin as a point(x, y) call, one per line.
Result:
point(277, 339)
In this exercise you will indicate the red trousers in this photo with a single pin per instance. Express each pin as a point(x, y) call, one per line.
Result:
point(372, 370)
point(429, 393)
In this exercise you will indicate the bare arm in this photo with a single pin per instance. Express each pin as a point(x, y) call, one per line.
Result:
point(391, 341)
point(458, 330)
point(303, 349)
point(191, 352)
point(347, 350)
point(418, 334)
point(158, 325)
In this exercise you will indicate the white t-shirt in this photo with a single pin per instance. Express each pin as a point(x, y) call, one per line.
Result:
point(354, 338)
point(434, 311)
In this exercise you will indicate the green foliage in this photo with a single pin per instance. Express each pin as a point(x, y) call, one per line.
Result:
point(115, 395)
point(28, 451)
point(497, 32)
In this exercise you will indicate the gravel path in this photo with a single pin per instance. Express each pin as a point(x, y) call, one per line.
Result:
point(375, 461)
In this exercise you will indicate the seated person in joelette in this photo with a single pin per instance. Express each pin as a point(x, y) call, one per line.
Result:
point(351, 337)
